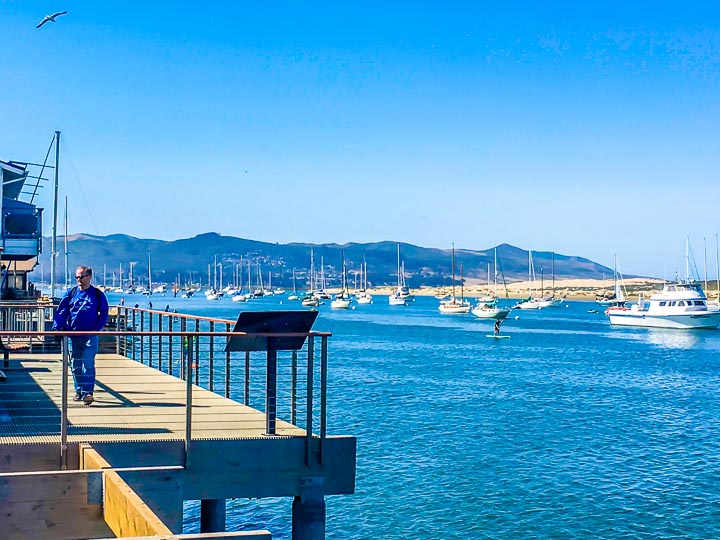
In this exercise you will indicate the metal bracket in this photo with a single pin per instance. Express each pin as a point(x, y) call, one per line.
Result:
point(312, 488)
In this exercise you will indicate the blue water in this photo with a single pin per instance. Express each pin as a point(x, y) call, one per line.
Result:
point(569, 429)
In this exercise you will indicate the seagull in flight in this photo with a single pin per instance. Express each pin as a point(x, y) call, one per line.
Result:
point(50, 18)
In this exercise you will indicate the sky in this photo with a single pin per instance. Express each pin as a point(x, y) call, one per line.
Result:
point(588, 130)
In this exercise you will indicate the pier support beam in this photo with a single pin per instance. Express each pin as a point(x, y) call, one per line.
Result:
point(308, 510)
point(212, 515)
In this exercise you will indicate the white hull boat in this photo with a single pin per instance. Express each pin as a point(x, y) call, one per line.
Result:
point(395, 300)
point(681, 305)
point(340, 303)
point(310, 301)
point(454, 307)
point(490, 312)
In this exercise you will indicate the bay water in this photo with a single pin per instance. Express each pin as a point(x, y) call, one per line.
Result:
point(569, 429)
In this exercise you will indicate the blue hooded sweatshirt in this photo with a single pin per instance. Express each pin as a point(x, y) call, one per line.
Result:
point(82, 310)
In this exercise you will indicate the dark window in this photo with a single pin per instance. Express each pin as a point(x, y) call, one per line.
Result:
point(23, 225)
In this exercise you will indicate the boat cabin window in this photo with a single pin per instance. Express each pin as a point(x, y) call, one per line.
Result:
point(672, 303)
point(699, 302)
point(663, 303)
point(681, 303)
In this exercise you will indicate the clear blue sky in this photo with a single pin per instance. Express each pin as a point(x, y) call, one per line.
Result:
point(584, 130)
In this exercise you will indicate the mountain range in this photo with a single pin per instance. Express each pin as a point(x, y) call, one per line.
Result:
point(193, 260)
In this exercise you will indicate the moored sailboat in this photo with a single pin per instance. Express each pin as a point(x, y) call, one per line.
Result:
point(490, 309)
point(455, 306)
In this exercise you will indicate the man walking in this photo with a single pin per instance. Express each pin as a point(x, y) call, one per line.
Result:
point(84, 307)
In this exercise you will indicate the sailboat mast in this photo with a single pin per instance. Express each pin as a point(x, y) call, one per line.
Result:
point(705, 260)
point(452, 265)
point(462, 286)
point(398, 265)
point(67, 270)
point(496, 273)
point(53, 249)
point(149, 275)
point(717, 268)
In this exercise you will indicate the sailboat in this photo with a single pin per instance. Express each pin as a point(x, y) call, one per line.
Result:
point(342, 299)
point(402, 293)
point(294, 295)
point(363, 297)
point(491, 310)
point(618, 296)
point(539, 301)
point(310, 300)
point(455, 306)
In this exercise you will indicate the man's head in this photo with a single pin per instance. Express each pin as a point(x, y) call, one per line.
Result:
point(83, 275)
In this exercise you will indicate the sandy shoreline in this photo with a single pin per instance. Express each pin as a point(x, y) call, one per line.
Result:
point(572, 289)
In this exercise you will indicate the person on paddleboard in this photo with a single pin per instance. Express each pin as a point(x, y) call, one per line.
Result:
point(496, 329)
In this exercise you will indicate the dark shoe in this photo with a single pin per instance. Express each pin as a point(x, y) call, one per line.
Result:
point(78, 396)
point(88, 399)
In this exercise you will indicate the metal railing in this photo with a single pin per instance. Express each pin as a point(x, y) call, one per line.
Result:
point(194, 349)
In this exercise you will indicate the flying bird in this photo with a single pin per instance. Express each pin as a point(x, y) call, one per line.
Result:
point(50, 18)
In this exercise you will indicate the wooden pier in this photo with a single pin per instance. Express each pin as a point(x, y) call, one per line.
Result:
point(129, 463)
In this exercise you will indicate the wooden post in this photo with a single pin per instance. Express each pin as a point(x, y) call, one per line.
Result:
point(212, 515)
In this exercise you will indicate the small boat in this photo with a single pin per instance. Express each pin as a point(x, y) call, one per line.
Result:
point(294, 294)
point(618, 297)
point(402, 294)
point(592, 310)
point(540, 301)
point(362, 296)
point(309, 301)
point(487, 307)
point(455, 306)
point(342, 300)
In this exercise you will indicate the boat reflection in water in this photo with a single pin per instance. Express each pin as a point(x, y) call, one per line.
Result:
point(672, 339)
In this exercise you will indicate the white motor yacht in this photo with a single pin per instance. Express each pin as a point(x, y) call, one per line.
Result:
point(680, 305)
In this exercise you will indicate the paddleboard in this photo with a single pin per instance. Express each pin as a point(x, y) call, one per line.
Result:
point(497, 337)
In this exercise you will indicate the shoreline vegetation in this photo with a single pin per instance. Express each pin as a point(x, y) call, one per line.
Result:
point(572, 289)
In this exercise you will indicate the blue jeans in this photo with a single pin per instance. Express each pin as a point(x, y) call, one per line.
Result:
point(84, 349)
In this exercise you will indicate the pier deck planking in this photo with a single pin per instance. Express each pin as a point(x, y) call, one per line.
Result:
point(133, 402)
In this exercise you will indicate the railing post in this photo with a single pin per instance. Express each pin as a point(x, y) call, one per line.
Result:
point(183, 350)
point(64, 403)
point(188, 403)
point(150, 339)
point(171, 322)
point(271, 391)
point(246, 390)
point(293, 388)
point(134, 327)
point(142, 338)
point(197, 354)
point(211, 363)
point(309, 403)
point(323, 396)
point(227, 365)
point(160, 340)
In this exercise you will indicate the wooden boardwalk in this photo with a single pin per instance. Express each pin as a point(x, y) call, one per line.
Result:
point(137, 426)
point(133, 402)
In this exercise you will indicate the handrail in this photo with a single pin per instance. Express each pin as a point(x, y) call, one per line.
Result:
point(184, 346)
